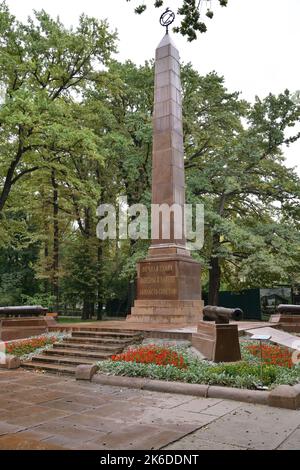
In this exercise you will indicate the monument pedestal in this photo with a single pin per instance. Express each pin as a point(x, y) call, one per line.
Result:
point(218, 342)
point(166, 312)
point(288, 322)
point(168, 288)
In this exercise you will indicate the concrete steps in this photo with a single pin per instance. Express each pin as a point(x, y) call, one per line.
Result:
point(89, 347)
point(77, 353)
point(99, 341)
point(85, 346)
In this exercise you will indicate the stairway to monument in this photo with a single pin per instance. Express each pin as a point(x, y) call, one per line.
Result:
point(85, 346)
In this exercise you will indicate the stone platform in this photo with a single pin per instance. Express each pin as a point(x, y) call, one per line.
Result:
point(19, 328)
point(288, 322)
point(171, 312)
point(150, 330)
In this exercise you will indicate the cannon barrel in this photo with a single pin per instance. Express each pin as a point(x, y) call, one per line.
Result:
point(286, 308)
point(221, 314)
point(23, 310)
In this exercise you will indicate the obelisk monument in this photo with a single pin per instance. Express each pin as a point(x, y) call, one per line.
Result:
point(168, 280)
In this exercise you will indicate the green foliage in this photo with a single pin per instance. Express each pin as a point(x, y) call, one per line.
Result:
point(191, 12)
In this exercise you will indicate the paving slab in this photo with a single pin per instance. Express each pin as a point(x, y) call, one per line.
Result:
point(278, 336)
point(24, 442)
point(251, 427)
point(137, 437)
point(64, 431)
point(38, 418)
point(90, 421)
point(210, 406)
point(174, 418)
point(159, 400)
point(198, 443)
point(292, 442)
point(7, 428)
point(67, 404)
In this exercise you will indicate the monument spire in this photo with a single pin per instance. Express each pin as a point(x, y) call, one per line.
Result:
point(168, 280)
point(168, 153)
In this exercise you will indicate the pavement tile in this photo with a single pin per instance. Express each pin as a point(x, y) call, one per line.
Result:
point(91, 401)
point(38, 418)
point(224, 407)
point(195, 443)
point(197, 405)
point(292, 442)
point(119, 410)
point(18, 442)
point(138, 437)
point(181, 420)
point(210, 406)
point(8, 404)
point(253, 427)
point(6, 428)
point(160, 400)
point(67, 404)
point(20, 412)
point(76, 433)
point(103, 424)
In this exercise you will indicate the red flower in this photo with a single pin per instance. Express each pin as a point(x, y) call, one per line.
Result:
point(152, 354)
point(272, 354)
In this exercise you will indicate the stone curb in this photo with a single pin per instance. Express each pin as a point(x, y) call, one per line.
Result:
point(85, 372)
point(11, 362)
point(283, 396)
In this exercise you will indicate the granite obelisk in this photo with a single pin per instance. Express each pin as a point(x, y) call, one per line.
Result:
point(168, 280)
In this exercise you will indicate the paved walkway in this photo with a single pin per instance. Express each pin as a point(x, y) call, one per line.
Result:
point(279, 337)
point(49, 412)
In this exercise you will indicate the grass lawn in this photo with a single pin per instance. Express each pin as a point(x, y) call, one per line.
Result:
point(74, 320)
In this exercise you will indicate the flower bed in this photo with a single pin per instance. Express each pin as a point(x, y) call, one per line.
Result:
point(24, 348)
point(152, 354)
point(272, 354)
point(242, 374)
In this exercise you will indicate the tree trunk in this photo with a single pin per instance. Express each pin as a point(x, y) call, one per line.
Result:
point(214, 274)
point(88, 304)
point(100, 281)
point(55, 256)
point(88, 308)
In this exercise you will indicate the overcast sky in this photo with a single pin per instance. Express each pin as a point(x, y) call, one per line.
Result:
point(253, 43)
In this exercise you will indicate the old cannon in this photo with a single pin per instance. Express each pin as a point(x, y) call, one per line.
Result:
point(216, 338)
point(288, 309)
point(221, 314)
point(23, 311)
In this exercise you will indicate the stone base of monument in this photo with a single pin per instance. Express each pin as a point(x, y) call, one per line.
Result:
point(19, 328)
point(168, 289)
point(286, 322)
point(218, 342)
point(173, 312)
